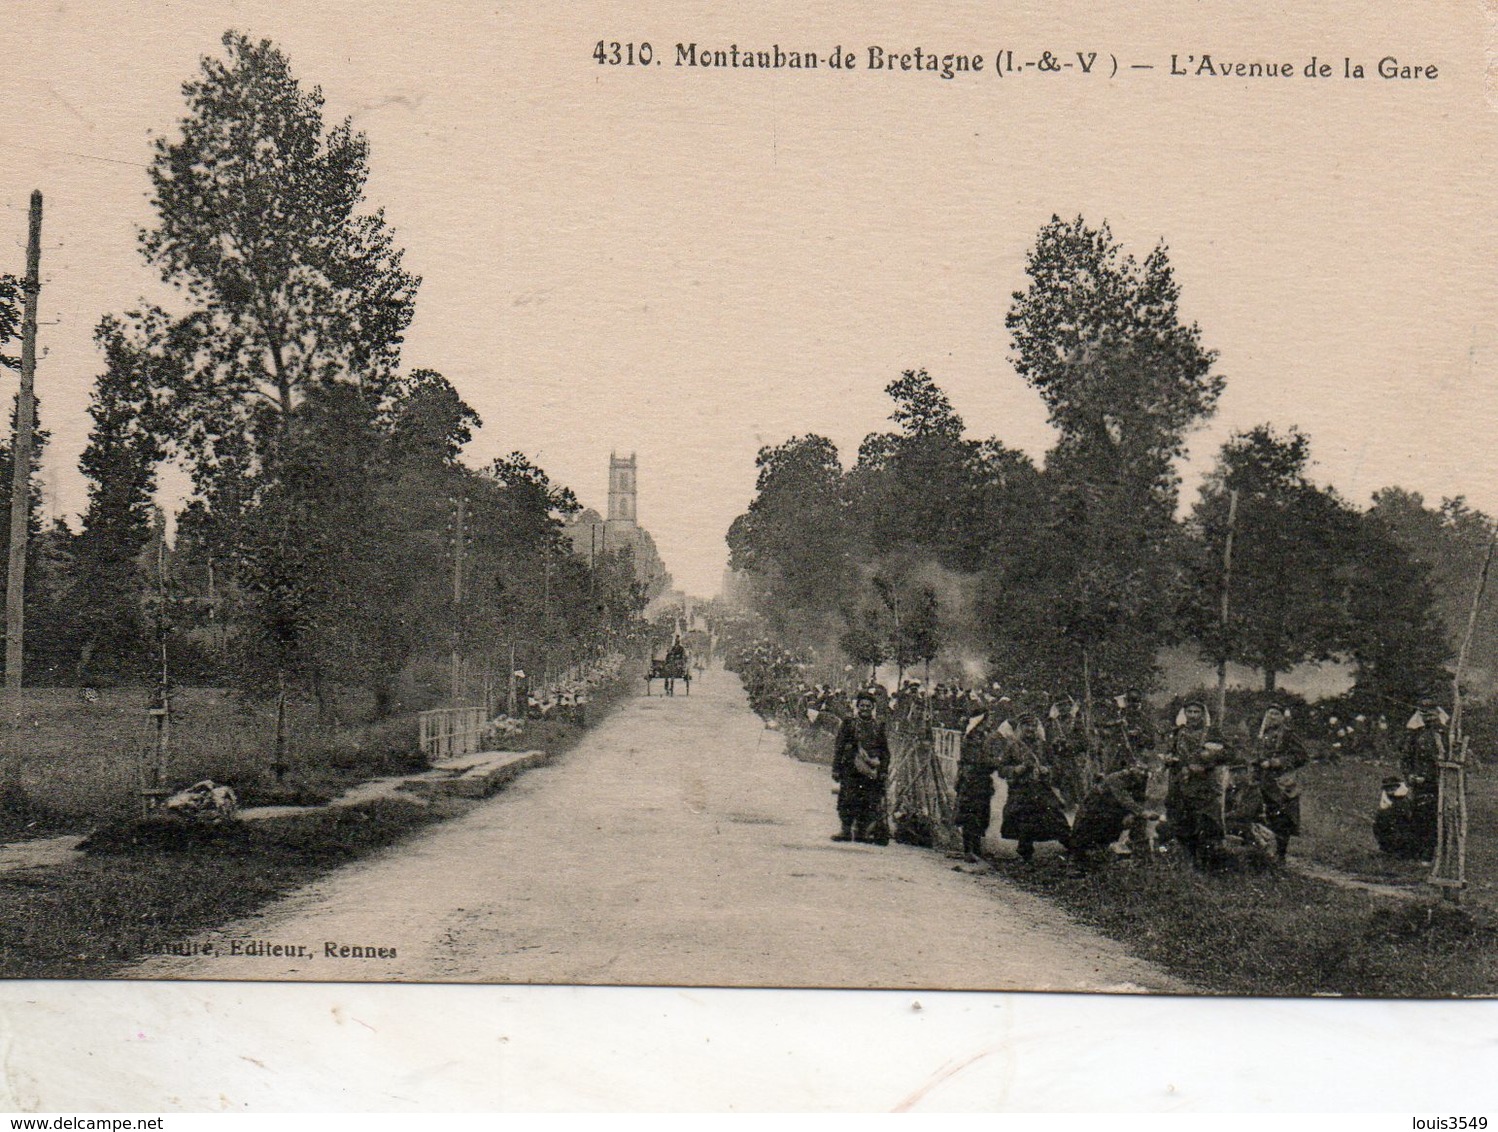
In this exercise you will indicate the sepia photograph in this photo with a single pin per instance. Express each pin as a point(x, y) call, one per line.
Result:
point(885, 498)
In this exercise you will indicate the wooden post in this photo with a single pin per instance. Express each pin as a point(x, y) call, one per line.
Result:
point(155, 789)
point(1449, 871)
point(1227, 577)
point(20, 503)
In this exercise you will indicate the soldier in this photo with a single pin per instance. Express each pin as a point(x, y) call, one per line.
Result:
point(1130, 734)
point(1068, 750)
point(975, 788)
point(1277, 754)
point(1424, 751)
point(1394, 824)
point(1197, 800)
point(1033, 810)
point(860, 763)
point(1118, 802)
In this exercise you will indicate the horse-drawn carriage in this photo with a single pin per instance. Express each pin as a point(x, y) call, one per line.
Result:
point(672, 668)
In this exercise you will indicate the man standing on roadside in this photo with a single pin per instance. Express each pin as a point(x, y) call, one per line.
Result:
point(860, 763)
point(1197, 803)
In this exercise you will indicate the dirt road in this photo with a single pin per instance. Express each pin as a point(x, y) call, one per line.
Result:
point(676, 844)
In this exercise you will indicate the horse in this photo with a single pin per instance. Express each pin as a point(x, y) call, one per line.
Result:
point(669, 671)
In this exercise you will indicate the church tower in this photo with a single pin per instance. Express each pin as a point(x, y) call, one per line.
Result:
point(622, 488)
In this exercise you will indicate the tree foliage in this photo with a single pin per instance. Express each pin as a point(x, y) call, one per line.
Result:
point(259, 225)
point(10, 318)
point(319, 551)
point(1125, 379)
point(1291, 542)
point(793, 540)
point(120, 462)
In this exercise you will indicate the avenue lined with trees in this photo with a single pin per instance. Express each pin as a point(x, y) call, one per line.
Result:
point(316, 557)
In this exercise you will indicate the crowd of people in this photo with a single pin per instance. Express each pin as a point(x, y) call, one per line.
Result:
point(1124, 787)
point(564, 698)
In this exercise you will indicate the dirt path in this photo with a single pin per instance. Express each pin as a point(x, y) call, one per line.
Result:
point(676, 844)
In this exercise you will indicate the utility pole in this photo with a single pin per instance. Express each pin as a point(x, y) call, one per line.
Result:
point(460, 516)
point(20, 500)
point(1227, 577)
point(546, 621)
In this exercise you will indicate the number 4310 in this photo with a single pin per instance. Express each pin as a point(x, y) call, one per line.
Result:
point(627, 54)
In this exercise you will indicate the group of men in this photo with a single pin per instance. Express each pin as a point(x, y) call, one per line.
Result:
point(1133, 792)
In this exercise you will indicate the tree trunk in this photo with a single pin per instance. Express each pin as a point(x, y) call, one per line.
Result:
point(1271, 678)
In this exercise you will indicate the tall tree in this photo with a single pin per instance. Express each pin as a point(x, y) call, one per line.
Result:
point(1290, 541)
point(793, 540)
point(1449, 541)
point(920, 487)
point(296, 304)
point(120, 463)
point(259, 226)
point(1100, 337)
point(1395, 636)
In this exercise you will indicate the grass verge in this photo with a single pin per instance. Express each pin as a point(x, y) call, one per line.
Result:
point(1271, 931)
point(146, 885)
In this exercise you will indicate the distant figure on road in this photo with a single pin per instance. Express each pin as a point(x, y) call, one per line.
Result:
point(860, 763)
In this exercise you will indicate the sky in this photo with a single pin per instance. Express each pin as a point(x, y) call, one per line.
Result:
point(690, 264)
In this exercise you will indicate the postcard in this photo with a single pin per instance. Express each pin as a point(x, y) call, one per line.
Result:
point(869, 512)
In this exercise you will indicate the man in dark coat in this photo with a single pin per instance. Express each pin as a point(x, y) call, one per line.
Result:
point(1032, 809)
point(975, 788)
point(1424, 751)
point(1277, 754)
point(1118, 801)
point(1197, 803)
point(860, 763)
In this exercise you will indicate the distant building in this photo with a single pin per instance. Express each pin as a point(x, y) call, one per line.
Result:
point(593, 536)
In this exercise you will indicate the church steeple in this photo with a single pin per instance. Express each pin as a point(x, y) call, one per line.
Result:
point(622, 487)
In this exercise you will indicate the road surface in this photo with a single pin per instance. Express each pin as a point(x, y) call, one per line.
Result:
point(676, 844)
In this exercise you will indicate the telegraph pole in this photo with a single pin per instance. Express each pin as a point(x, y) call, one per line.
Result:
point(20, 498)
point(460, 534)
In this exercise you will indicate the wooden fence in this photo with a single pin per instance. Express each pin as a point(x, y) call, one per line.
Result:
point(923, 781)
point(448, 732)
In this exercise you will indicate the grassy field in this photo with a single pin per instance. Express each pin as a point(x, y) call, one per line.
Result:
point(1269, 931)
point(1338, 807)
point(80, 760)
point(143, 885)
